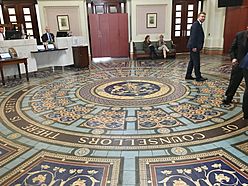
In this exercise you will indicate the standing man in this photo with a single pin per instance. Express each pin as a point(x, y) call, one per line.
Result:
point(238, 51)
point(245, 97)
point(48, 36)
point(1, 33)
point(195, 45)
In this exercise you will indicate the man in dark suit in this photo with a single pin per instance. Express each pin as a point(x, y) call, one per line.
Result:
point(195, 45)
point(48, 36)
point(245, 73)
point(238, 50)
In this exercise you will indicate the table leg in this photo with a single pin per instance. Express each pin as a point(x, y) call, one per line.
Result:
point(19, 71)
point(2, 76)
point(26, 69)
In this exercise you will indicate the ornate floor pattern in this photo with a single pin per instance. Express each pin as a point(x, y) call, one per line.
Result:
point(123, 122)
point(211, 168)
point(56, 169)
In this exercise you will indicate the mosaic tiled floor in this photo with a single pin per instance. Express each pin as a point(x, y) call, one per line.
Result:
point(123, 122)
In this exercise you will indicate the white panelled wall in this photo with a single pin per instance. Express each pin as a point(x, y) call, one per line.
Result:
point(78, 17)
point(214, 26)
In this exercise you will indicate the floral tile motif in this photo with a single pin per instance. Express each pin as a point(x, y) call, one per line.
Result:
point(196, 113)
point(151, 63)
point(43, 94)
point(9, 150)
point(98, 75)
point(69, 115)
point(207, 100)
point(54, 169)
point(211, 168)
point(121, 72)
point(115, 64)
point(155, 118)
point(243, 147)
point(107, 119)
point(49, 104)
point(225, 68)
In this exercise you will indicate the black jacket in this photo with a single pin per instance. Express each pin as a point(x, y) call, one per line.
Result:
point(44, 37)
point(239, 46)
point(196, 39)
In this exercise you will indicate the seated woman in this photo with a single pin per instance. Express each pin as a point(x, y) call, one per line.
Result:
point(149, 48)
point(162, 45)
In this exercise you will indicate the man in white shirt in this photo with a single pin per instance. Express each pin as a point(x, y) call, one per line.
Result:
point(1, 33)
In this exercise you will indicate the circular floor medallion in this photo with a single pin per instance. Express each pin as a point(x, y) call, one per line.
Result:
point(135, 91)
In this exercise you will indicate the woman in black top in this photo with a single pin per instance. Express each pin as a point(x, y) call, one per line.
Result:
point(149, 48)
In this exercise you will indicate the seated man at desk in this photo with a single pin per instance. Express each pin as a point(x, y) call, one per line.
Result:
point(1, 33)
point(48, 36)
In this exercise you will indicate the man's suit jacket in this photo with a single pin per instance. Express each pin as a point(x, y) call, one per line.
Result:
point(196, 39)
point(44, 37)
point(239, 46)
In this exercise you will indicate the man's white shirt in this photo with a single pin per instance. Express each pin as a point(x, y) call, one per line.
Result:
point(1, 37)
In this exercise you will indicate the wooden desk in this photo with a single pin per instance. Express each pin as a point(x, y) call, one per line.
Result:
point(49, 50)
point(12, 61)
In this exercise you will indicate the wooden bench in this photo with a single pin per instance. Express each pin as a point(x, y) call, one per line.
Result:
point(139, 52)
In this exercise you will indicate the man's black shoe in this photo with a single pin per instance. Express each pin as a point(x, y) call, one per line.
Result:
point(201, 79)
point(189, 78)
point(226, 101)
point(204, 78)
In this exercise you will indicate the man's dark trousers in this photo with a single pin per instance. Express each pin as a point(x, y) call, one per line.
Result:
point(194, 62)
point(235, 80)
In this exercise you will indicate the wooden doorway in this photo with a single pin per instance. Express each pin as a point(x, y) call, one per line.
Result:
point(184, 13)
point(108, 27)
point(109, 35)
point(236, 21)
point(23, 14)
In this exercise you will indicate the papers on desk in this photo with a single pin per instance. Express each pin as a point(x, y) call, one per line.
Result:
point(50, 47)
point(5, 55)
point(40, 47)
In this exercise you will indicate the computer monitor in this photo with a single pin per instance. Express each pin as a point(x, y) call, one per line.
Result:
point(13, 34)
point(62, 34)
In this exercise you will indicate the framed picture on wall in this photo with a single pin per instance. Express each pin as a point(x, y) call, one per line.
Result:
point(151, 20)
point(63, 22)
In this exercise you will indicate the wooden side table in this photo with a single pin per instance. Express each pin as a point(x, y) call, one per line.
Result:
point(80, 56)
point(11, 61)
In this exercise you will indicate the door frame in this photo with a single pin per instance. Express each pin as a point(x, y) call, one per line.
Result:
point(182, 28)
